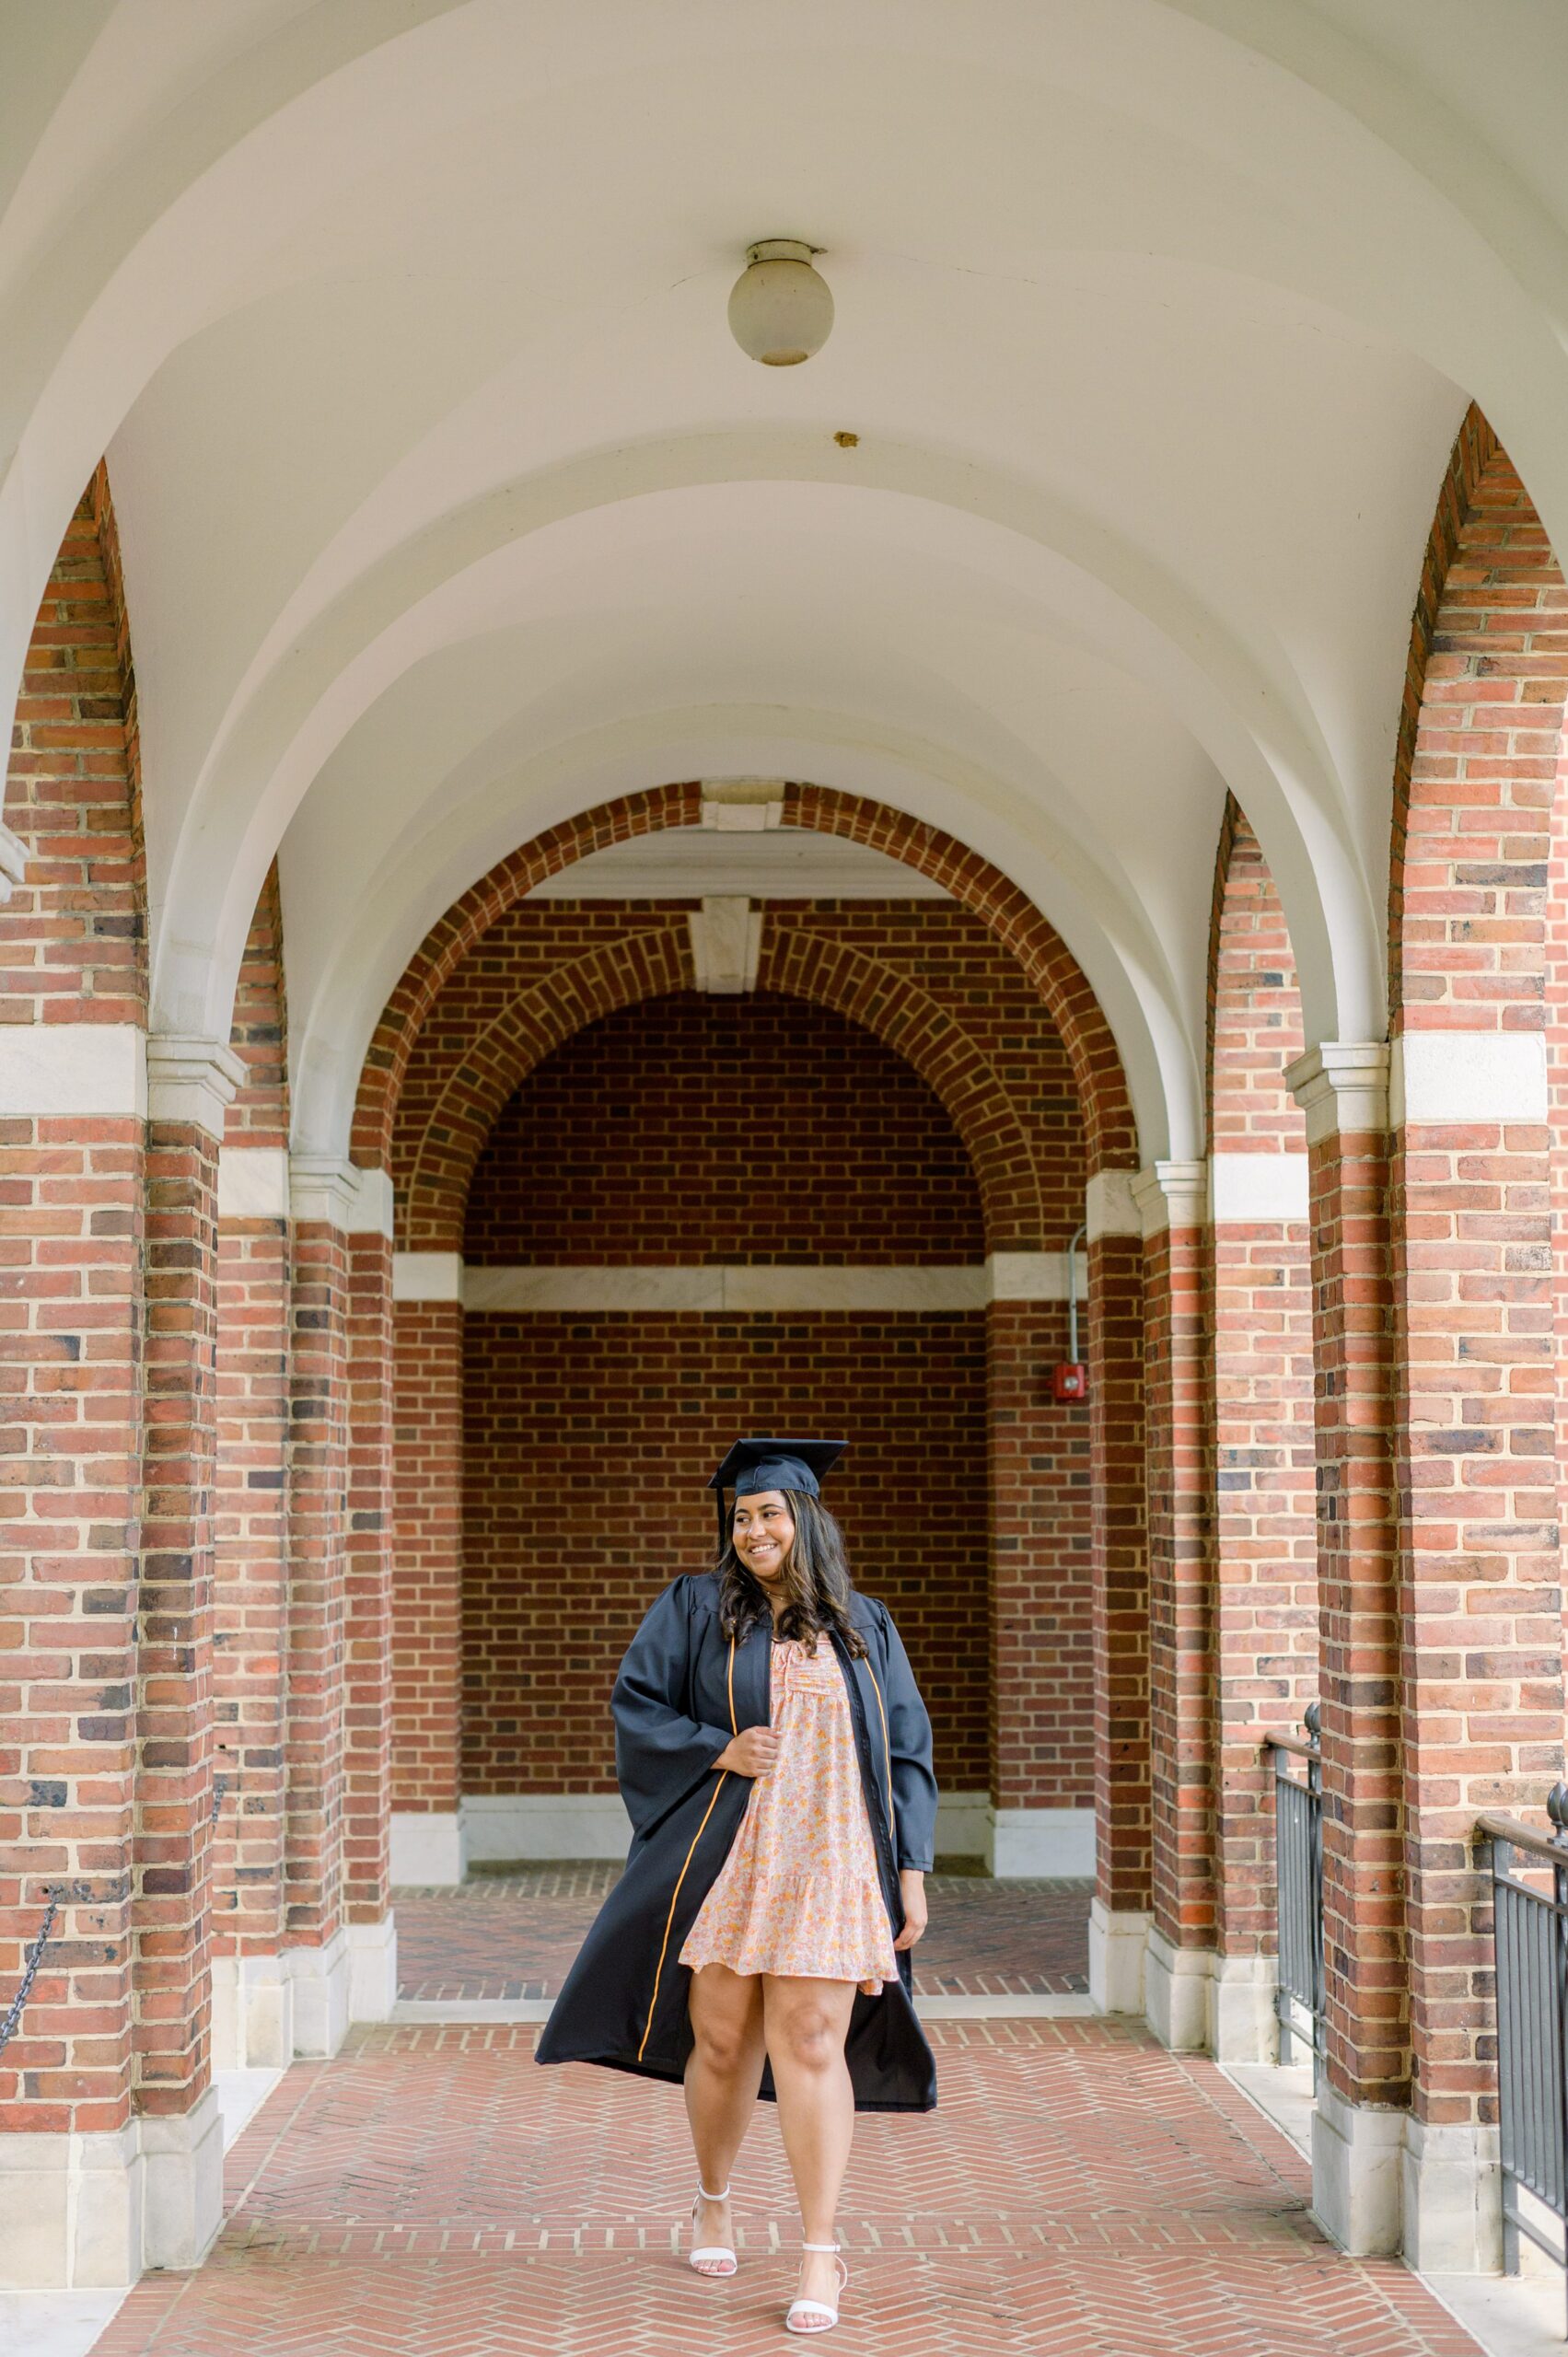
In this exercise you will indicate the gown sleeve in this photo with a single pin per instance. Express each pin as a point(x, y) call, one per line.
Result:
point(909, 1744)
point(660, 1752)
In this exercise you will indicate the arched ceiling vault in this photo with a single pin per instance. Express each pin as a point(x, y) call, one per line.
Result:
point(449, 507)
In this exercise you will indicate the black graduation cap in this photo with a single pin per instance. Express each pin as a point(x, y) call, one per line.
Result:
point(753, 1466)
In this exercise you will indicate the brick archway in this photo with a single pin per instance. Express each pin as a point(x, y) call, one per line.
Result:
point(1044, 959)
point(952, 1062)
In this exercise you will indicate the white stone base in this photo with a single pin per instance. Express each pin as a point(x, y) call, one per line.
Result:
point(963, 1825)
point(1358, 2174)
point(321, 1977)
point(1041, 1842)
point(1452, 2194)
point(92, 2212)
point(182, 2184)
point(252, 2012)
point(1176, 1984)
point(427, 1849)
point(372, 1970)
point(1243, 2026)
point(1118, 1943)
point(544, 1825)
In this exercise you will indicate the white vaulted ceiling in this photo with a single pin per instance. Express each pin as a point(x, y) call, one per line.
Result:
point(448, 506)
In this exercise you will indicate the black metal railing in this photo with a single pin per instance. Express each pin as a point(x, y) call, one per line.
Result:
point(1298, 1873)
point(1530, 1888)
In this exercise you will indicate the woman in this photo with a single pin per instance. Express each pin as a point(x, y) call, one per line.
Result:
point(774, 1757)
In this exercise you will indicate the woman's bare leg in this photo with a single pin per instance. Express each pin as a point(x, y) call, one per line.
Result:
point(804, 2024)
point(723, 2073)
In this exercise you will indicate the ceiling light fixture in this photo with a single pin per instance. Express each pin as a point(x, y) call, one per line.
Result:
point(780, 310)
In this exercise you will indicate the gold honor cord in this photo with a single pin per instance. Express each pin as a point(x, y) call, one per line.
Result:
point(675, 1893)
point(887, 1756)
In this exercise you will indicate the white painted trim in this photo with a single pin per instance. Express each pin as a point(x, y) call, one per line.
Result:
point(1255, 1188)
point(544, 1825)
point(1111, 1207)
point(252, 1182)
point(1342, 1087)
point(428, 1847)
point(193, 1080)
point(427, 1276)
point(1119, 1942)
point(51, 1071)
point(1481, 1076)
point(1172, 1194)
point(1027, 1842)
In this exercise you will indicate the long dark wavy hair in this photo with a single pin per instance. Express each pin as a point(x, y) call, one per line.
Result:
point(816, 1579)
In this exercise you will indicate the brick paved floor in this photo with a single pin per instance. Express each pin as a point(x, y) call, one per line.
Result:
point(513, 1936)
point(434, 2194)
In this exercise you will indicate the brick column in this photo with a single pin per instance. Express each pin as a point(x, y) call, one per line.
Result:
point(1119, 1914)
point(252, 1997)
point(1172, 1199)
point(427, 1640)
point(189, 1084)
point(1265, 1558)
point(1041, 1663)
point(1358, 2128)
point(368, 1726)
point(314, 1936)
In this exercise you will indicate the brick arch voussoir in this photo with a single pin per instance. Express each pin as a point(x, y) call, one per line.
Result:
point(1241, 877)
point(934, 1044)
point(494, 1067)
point(1110, 1131)
point(258, 1116)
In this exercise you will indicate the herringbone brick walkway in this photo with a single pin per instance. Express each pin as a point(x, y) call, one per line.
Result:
point(513, 1935)
point(434, 2194)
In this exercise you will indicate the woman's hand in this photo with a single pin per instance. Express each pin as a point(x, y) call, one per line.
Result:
point(911, 1892)
point(751, 1753)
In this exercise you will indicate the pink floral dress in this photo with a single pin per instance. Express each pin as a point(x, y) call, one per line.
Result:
point(799, 1891)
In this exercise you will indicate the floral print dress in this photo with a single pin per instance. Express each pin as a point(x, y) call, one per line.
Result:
point(799, 1891)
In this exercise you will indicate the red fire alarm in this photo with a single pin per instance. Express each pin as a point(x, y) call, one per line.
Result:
point(1070, 1381)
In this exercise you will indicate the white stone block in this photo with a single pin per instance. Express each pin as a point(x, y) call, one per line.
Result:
point(1176, 1994)
point(427, 1276)
point(545, 1825)
point(1452, 2197)
point(428, 1847)
point(1358, 2174)
point(963, 1825)
point(1111, 1207)
point(1030, 1842)
point(320, 1979)
point(1119, 1940)
point(252, 1182)
point(181, 2161)
point(252, 2012)
point(49, 1071)
point(372, 1970)
point(1243, 2024)
point(1480, 1077)
point(1254, 1188)
point(70, 2211)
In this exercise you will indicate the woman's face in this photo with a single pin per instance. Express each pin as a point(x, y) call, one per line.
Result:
point(764, 1530)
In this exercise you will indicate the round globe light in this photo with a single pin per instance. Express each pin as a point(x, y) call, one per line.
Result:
point(780, 310)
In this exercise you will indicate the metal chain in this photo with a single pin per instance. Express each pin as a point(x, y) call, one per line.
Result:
point(34, 1957)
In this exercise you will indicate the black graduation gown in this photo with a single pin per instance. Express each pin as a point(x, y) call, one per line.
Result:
point(683, 1689)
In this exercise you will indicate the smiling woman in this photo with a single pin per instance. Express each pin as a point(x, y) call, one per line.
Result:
point(776, 1880)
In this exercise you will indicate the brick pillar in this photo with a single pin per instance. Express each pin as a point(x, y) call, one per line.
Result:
point(252, 2001)
point(1042, 1665)
point(367, 1797)
point(1118, 1915)
point(427, 1479)
point(315, 1936)
point(1358, 2128)
point(189, 1084)
point(1172, 1199)
point(1265, 1558)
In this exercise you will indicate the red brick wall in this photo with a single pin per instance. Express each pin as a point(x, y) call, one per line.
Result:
point(427, 1489)
point(558, 1568)
point(71, 1343)
point(697, 1129)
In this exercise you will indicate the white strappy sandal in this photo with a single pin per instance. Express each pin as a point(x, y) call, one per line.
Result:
point(711, 2250)
point(815, 2307)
